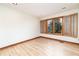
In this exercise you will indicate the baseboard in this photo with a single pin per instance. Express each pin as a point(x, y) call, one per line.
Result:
point(19, 43)
point(36, 38)
point(51, 38)
point(59, 40)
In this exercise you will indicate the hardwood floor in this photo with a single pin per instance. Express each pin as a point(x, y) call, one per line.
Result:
point(42, 47)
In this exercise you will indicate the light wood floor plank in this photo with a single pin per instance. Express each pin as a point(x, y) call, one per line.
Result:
point(42, 47)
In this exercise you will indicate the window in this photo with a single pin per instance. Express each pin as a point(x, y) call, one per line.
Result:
point(57, 25)
point(66, 25)
point(50, 26)
point(70, 25)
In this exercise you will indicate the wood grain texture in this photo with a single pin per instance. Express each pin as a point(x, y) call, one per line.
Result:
point(41, 47)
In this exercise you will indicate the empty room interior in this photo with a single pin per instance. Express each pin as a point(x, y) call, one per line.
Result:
point(39, 29)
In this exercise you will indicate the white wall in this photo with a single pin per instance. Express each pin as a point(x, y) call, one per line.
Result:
point(16, 26)
point(76, 40)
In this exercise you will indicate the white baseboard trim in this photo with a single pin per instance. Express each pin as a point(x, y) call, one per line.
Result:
point(16, 42)
point(64, 38)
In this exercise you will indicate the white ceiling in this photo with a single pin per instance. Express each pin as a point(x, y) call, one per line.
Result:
point(41, 10)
